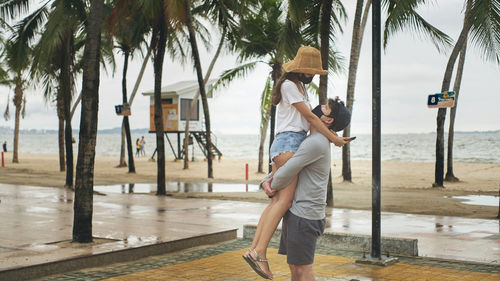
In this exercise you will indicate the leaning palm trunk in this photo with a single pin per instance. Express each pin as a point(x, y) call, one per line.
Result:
point(159, 44)
point(265, 115)
point(18, 101)
point(357, 39)
point(199, 74)
point(192, 106)
point(263, 130)
point(323, 79)
point(451, 132)
point(122, 163)
point(84, 183)
point(439, 165)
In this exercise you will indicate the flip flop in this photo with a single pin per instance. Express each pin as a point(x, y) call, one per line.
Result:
point(255, 266)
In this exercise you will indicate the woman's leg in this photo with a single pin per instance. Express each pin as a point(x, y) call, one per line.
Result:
point(272, 215)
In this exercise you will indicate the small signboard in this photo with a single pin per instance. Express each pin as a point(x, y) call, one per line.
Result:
point(123, 109)
point(441, 100)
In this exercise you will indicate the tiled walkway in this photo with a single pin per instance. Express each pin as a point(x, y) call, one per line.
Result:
point(224, 262)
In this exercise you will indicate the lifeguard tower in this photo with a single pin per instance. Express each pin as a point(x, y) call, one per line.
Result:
point(176, 102)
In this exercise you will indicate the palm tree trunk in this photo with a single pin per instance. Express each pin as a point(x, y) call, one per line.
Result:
point(18, 101)
point(73, 109)
point(197, 96)
point(263, 130)
point(453, 111)
point(325, 48)
point(131, 165)
point(159, 44)
point(199, 74)
point(84, 183)
point(60, 117)
point(323, 79)
point(62, 162)
point(141, 73)
point(360, 19)
point(66, 86)
point(122, 162)
point(439, 165)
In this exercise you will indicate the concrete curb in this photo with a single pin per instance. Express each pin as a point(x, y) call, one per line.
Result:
point(352, 242)
point(124, 255)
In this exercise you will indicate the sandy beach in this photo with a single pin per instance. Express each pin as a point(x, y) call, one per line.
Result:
point(406, 186)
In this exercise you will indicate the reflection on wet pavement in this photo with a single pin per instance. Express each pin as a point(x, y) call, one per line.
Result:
point(482, 200)
point(181, 187)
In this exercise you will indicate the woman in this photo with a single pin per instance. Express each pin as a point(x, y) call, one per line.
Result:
point(293, 119)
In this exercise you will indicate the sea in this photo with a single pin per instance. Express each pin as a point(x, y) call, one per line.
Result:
point(476, 147)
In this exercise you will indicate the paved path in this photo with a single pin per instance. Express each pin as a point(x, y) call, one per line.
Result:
point(36, 226)
point(224, 262)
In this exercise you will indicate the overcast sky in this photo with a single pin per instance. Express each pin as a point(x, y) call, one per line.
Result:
point(411, 70)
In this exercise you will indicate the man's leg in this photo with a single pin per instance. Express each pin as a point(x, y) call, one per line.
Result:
point(302, 272)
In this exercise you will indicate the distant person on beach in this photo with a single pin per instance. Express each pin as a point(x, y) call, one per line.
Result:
point(143, 145)
point(293, 120)
point(4, 146)
point(138, 147)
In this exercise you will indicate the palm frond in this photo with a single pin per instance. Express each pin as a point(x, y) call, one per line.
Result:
point(28, 28)
point(230, 75)
point(13, 8)
point(336, 61)
point(485, 28)
point(402, 15)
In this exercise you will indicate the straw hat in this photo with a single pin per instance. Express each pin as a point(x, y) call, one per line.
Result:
point(307, 60)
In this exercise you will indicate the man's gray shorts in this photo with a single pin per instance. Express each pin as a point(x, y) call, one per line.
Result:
point(298, 238)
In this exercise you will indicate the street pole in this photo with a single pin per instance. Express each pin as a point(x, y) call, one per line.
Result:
point(376, 159)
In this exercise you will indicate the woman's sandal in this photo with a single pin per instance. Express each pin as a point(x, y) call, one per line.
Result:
point(255, 266)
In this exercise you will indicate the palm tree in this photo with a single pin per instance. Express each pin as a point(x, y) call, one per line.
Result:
point(223, 14)
point(401, 15)
point(55, 59)
point(453, 111)
point(201, 83)
point(322, 19)
point(129, 28)
point(263, 35)
point(17, 54)
point(158, 43)
point(82, 222)
point(482, 22)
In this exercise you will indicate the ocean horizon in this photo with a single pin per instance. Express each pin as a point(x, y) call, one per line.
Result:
point(479, 147)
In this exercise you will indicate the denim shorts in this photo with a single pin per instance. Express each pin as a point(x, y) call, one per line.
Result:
point(286, 141)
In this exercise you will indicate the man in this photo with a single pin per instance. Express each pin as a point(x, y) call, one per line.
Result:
point(312, 164)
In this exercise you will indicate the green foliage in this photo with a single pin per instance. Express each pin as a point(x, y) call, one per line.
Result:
point(402, 15)
point(485, 29)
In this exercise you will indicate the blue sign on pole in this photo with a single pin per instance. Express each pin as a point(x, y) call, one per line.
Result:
point(441, 100)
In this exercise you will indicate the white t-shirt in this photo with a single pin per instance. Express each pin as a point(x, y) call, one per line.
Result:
point(288, 118)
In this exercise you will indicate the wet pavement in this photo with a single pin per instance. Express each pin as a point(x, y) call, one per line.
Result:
point(224, 262)
point(36, 227)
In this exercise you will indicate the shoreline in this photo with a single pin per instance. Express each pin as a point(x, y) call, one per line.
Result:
point(406, 186)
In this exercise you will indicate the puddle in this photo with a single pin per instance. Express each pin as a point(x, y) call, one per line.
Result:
point(483, 200)
point(183, 187)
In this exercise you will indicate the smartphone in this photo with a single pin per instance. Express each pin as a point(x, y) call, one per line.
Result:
point(351, 138)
